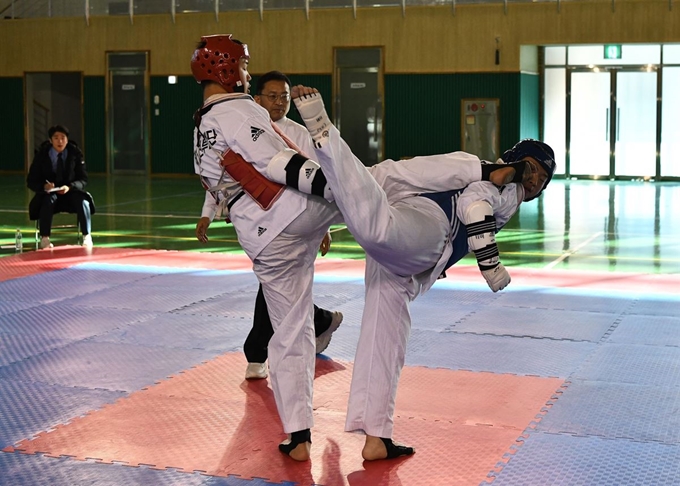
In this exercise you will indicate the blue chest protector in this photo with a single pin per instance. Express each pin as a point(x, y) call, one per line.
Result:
point(447, 201)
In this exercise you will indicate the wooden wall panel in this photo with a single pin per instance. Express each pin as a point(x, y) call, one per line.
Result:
point(426, 40)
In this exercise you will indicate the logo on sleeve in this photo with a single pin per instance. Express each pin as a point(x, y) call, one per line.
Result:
point(260, 230)
point(255, 133)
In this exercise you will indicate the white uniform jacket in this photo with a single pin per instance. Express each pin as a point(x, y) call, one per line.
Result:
point(298, 134)
point(403, 179)
point(234, 121)
point(504, 202)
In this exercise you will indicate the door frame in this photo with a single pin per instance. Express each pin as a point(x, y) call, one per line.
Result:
point(613, 71)
point(147, 107)
point(380, 70)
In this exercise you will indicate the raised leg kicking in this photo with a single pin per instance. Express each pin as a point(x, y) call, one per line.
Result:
point(408, 241)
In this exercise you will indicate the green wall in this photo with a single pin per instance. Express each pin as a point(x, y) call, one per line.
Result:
point(12, 124)
point(172, 129)
point(422, 111)
point(422, 115)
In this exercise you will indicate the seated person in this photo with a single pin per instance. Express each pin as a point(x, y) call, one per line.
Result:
point(58, 178)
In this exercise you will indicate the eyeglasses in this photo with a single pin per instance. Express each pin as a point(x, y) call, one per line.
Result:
point(273, 97)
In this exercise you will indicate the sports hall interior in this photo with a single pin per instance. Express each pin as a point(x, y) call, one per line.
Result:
point(123, 364)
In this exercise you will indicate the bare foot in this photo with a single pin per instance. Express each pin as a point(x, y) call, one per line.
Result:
point(377, 448)
point(298, 445)
point(301, 452)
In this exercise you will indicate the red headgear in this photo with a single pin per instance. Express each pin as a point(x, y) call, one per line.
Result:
point(218, 60)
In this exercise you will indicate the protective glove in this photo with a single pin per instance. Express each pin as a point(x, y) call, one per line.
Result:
point(498, 278)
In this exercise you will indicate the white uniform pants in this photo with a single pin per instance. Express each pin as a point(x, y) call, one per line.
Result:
point(285, 268)
point(401, 239)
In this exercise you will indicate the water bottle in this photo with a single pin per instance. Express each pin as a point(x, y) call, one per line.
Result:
point(18, 241)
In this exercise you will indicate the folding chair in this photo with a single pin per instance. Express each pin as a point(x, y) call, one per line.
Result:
point(61, 228)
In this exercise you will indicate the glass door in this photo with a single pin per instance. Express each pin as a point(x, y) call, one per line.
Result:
point(590, 123)
point(635, 123)
point(670, 122)
point(613, 112)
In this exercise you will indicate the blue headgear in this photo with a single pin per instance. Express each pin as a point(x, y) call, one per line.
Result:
point(540, 151)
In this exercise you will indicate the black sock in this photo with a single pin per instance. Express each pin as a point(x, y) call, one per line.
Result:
point(296, 438)
point(394, 450)
point(519, 167)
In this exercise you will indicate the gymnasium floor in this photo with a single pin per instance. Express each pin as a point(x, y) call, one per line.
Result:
point(123, 365)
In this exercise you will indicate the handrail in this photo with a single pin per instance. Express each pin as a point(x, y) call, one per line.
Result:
point(23, 9)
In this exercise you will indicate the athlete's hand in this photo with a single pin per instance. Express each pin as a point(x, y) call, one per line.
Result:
point(202, 229)
point(498, 278)
point(299, 90)
point(325, 244)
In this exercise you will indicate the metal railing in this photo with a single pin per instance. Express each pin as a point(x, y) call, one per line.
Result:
point(23, 9)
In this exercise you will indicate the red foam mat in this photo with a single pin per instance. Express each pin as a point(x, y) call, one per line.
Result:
point(34, 262)
point(209, 419)
point(30, 263)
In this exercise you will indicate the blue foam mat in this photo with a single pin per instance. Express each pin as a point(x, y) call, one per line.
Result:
point(115, 329)
point(648, 329)
point(498, 354)
point(538, 323)
point(616, 410)
point(238, 304)
point(564, 460)
point(631, 363)
point(69, 322)
point(216, 334)
point(667, 306)
point(8, 307)
point(143, 297)
point(17, 347)
point(31, 470)
point(573, 299)
point(49, 287)
point(110, 366)
point(27, 409)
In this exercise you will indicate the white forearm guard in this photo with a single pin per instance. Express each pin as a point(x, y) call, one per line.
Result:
point(295, 170)
point(481, 229)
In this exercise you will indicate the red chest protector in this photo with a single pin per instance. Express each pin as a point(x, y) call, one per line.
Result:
point(257, 186)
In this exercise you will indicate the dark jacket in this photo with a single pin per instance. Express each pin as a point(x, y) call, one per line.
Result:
point(73, 174)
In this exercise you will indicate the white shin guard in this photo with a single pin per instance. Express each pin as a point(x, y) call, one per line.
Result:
point(314, 115)
point(294, 170)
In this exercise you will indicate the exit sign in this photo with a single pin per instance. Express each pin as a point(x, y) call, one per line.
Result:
point(612, 51)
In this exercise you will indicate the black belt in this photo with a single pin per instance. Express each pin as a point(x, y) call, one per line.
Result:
point(233, 201)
